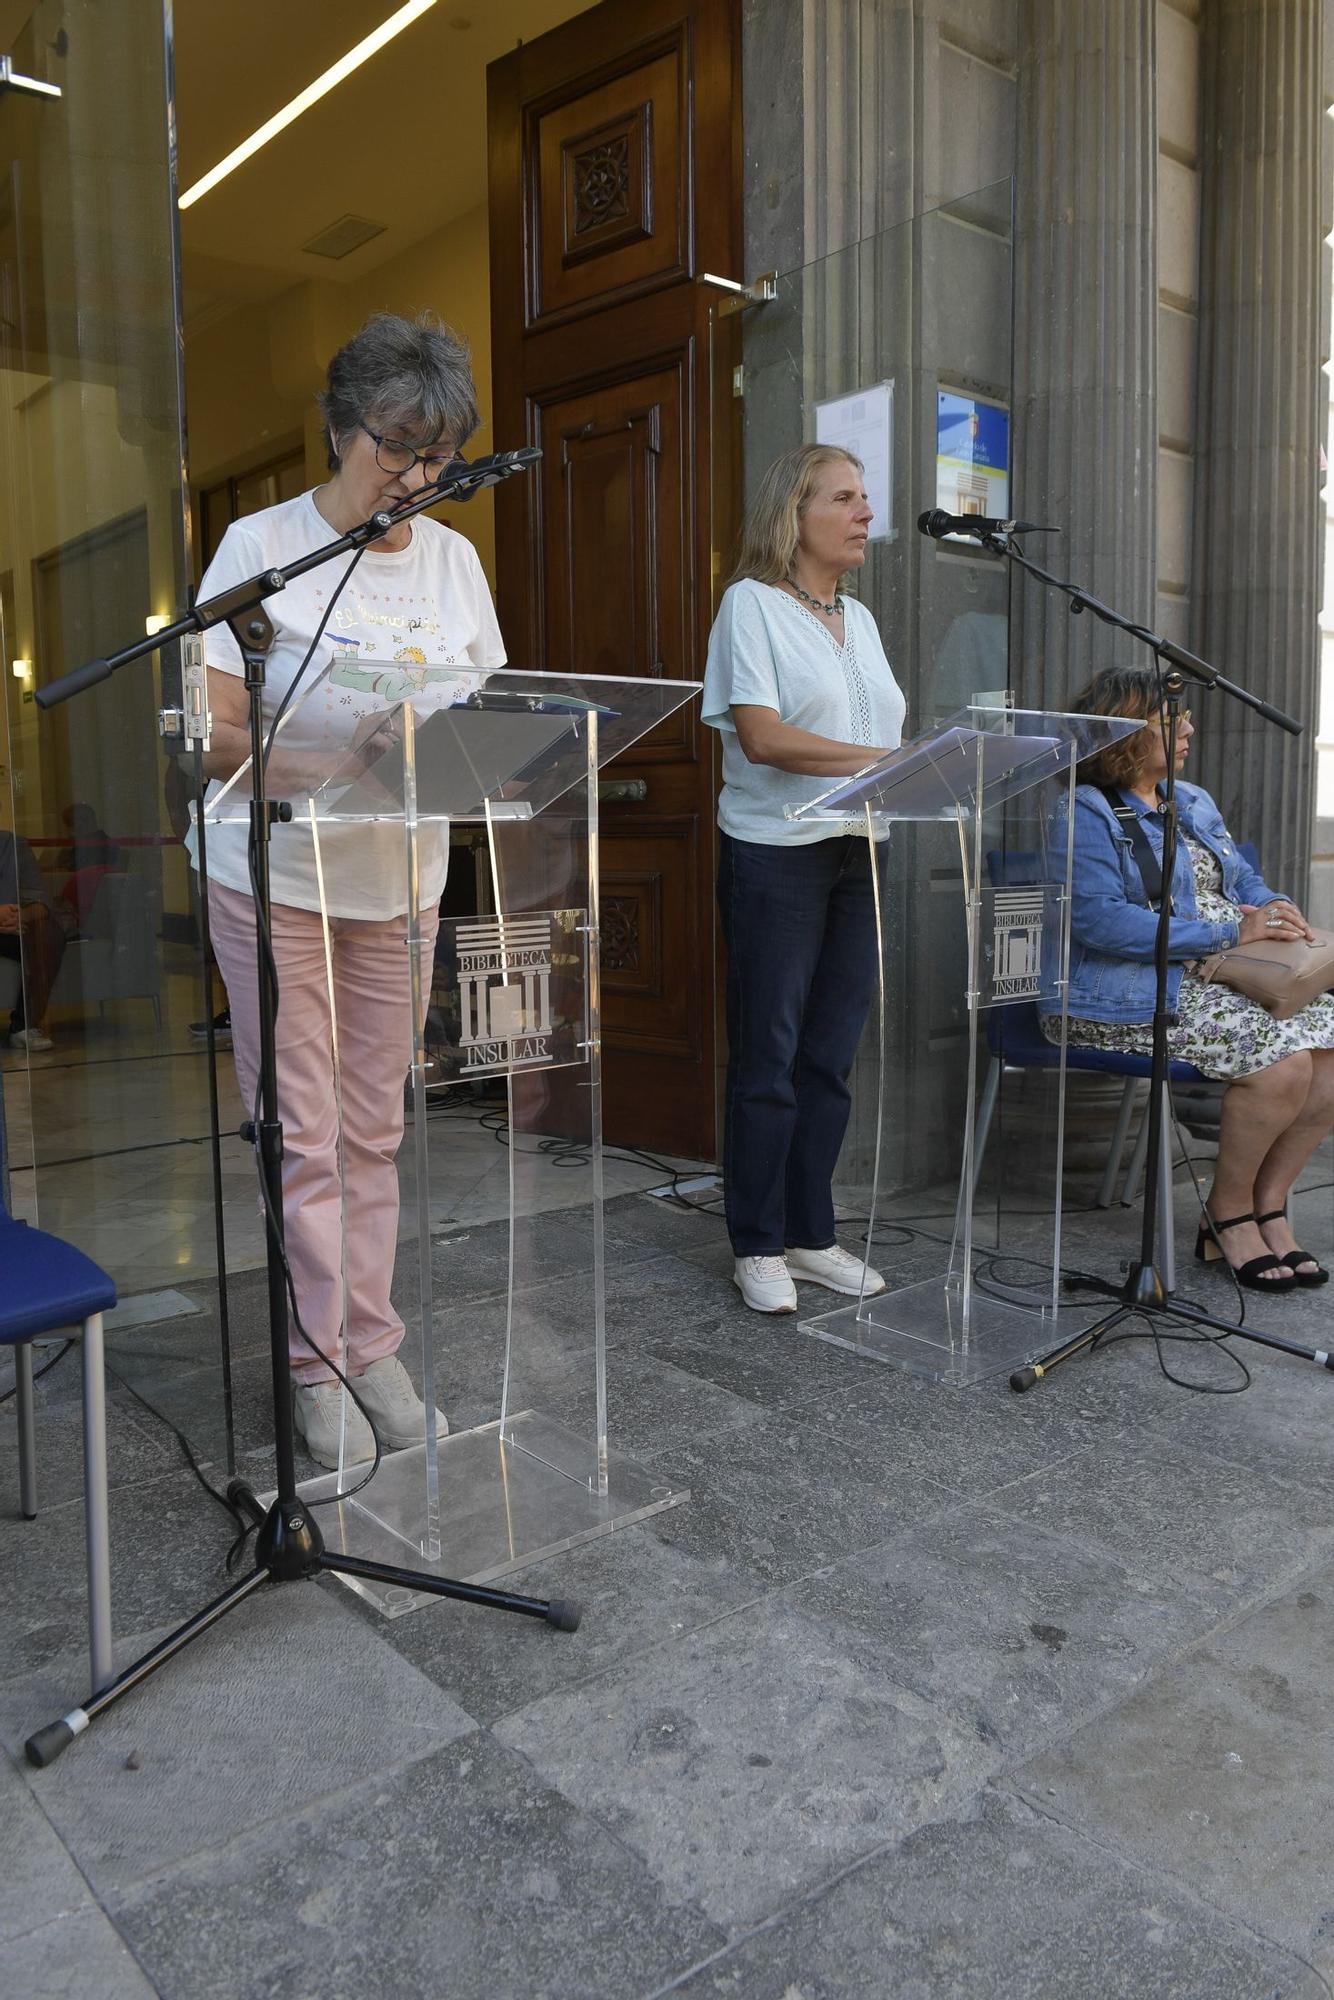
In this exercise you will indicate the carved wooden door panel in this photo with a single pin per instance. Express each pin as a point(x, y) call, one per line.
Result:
point(612, 187)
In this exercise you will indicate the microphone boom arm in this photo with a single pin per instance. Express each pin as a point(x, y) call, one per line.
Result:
point(455, 483)
point(1187, 663)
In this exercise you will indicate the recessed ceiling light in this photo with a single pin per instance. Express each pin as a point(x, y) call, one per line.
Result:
point(303, 100)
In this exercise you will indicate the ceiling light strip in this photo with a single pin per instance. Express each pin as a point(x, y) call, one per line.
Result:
point(312, 94)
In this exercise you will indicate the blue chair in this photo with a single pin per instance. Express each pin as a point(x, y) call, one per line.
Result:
point(1016, 1041)
point(47, 1285)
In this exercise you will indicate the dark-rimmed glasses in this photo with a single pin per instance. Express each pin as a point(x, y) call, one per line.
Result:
point(393, 456)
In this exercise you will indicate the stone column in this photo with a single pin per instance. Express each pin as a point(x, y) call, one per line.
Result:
point(1085, 357)
point(1258, 509)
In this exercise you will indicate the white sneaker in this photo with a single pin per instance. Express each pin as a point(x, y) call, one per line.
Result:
point(764, 1284)
point(396, 1410)
point(31, 1039)
point(836, 1269)
point(317, 1414)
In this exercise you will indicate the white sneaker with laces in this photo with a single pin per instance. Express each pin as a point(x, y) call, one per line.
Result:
point(836, 1269)
point(764, 1284)
point(317, 1414)
point(396, 1410)
point(31, 1039)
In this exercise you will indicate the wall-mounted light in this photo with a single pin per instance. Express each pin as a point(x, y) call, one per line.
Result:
point(25, 86)
point(21, 670)
point(155, 622)
point(303, 100)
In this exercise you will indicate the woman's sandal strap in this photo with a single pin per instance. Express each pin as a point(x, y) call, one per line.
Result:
point(1233, 1223)
point(1274, 1215)
point(1255, 1265)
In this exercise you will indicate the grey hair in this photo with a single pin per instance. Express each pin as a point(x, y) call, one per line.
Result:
point(409, 376)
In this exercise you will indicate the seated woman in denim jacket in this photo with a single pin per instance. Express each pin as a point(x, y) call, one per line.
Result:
point(1279, 1103)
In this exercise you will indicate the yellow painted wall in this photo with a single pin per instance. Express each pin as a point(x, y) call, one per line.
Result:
point(252, 377)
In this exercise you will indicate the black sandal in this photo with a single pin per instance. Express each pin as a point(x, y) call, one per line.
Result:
point(1249, 1273)
point(1292, 1258)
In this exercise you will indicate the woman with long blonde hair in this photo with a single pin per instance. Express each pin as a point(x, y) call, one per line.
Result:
point(799, 688)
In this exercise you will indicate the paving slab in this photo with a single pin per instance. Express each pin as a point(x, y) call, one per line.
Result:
point(776, 1499)
point(138, 1448)
point(751, 1759)
point(38, 1881)
point(636, 1593)
point(1004, 1905)
point(1017, 1636)
point(463, 1874)
point(76, 1956)
point(1179, 1517)
point(291, 1698)
point(1220, 1773)
point(168, 1542)
point(973, 1440)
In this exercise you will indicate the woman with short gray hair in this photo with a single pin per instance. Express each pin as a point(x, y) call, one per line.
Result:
point(398, 405)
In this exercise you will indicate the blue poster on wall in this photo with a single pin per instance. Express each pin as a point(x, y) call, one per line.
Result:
point(972, 455)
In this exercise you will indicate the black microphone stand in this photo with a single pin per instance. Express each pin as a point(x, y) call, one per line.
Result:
point(289, 1546)
point(1144, 1294)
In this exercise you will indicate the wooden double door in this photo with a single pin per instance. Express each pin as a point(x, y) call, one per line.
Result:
point(614, 146)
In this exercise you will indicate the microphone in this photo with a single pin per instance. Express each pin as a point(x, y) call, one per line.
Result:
point(935, 523)
point(460, 480)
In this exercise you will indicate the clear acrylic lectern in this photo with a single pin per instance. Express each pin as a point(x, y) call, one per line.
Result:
point(982, 1297)
point(506, 1001)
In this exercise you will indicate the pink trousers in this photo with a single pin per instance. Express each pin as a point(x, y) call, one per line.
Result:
point(341, 1230)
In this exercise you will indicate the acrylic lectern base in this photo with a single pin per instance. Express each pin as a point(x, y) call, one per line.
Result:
point(924, 1329)
point(504, 1502)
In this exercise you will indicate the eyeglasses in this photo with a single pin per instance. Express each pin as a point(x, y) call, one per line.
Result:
point(392, 455)
point(1183, 715)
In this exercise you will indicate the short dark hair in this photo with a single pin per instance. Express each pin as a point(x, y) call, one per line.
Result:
point(1118, 691)
point(409, 376)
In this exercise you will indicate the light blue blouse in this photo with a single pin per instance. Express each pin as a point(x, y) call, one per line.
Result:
point(768, 650)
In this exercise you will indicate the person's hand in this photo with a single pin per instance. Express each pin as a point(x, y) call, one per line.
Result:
point(1273, 923)
point(11, 918)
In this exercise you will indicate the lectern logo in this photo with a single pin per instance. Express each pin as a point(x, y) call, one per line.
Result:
point(505, 992)
point(1016, 953)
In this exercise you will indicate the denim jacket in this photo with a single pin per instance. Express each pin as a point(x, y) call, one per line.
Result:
point(1112, 927)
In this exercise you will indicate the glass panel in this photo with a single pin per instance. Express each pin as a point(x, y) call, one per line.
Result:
point(985, 1299)
point(92, 528)
point(860, 347)
point(500, 1172)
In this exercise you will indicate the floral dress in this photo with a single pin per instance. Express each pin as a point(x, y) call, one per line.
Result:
point(1222, 1033)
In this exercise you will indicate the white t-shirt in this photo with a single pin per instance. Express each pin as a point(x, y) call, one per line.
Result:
point(767, 649)
point(425, 605)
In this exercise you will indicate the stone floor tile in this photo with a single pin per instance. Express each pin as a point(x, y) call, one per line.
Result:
point(138, 1448)
point(636, 1593)
point(1177, 1517)
point(1000, 1906)
point(750, 1759)
point(75, 1956)
point(168, 1543)
point(290, 1698)
point(1015, 1635)
point(463, 1874)
point(775, 1499)
point(38, 1880)
point(769, 1363)
point(1220, 1773)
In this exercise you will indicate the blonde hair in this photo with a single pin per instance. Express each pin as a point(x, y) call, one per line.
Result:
point(773, 519)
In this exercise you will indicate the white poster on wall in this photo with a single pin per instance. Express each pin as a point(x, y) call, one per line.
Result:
point(863, 423)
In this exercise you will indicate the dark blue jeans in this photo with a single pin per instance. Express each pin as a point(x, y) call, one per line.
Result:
point(801, 974)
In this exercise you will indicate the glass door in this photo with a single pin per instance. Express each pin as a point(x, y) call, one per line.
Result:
point(105, 1090)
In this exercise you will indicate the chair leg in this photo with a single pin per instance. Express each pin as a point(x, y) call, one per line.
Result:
point(1116, 1153)
point(1167, 1255)
point(95, 1504)
point(27, 1431)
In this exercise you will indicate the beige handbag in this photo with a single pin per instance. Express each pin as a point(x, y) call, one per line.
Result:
point(1283, 976)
